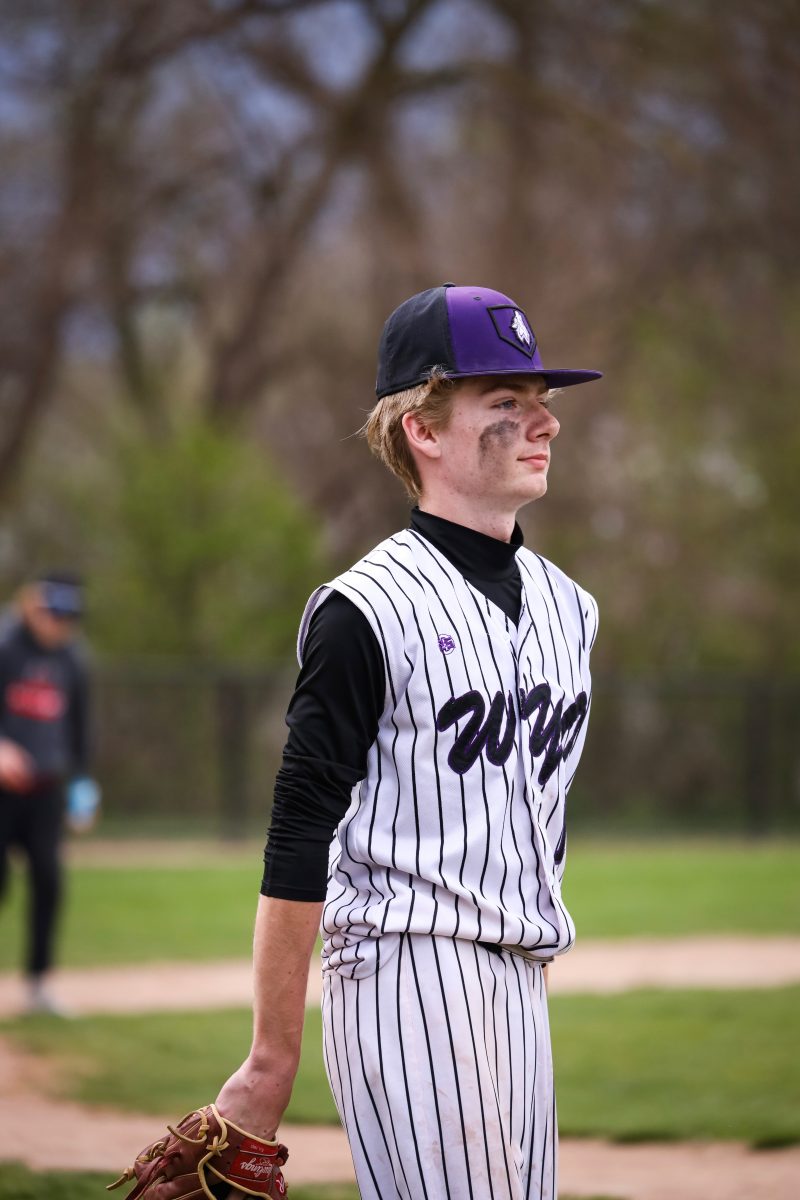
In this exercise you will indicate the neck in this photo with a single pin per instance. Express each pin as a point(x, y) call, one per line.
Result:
point(499, 525)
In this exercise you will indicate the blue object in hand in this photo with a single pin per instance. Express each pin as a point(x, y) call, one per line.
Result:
point(83, 801)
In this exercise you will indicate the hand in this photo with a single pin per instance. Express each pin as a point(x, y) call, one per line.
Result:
point(255, 1097)
point(16, 767)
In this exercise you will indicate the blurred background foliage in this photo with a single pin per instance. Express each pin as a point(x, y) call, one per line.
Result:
point(199, 550)
point(209, 207)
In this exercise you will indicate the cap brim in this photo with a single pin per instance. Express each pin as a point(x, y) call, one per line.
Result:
point(570, 378)
point(554, 378)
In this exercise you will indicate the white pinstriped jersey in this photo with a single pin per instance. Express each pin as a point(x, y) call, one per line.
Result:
point(458, 828)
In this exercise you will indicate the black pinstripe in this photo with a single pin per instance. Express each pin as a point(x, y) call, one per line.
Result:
point(438, 1101)
point(406, 588)
point(436, 1047)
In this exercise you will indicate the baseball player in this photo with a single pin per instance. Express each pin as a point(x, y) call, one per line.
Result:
point(419, 813)
point(44, 752)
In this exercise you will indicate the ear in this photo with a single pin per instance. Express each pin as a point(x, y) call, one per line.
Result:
point(421, 438)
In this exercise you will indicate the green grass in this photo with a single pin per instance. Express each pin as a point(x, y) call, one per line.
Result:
point(132, 914)
point(642, 1065)
point(18, 1183)
point(196, 908)
point(619, 890)
point(168, 1063)
point(665, 1065)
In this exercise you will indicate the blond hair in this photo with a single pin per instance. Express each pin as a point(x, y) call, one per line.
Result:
point(383, 429)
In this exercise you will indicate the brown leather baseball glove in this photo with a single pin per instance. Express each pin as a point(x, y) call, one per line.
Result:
point(205, 1153)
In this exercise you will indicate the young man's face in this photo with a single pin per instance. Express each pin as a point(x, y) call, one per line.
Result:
point(496, 446)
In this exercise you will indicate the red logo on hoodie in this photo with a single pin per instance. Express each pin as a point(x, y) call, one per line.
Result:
point(36, 699)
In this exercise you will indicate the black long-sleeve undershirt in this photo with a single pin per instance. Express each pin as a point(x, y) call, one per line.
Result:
point(334, 712)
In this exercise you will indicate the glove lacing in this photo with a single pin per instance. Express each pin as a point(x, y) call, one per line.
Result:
point(218, 1143)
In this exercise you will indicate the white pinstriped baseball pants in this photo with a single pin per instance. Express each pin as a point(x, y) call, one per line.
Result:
point(441, 1070)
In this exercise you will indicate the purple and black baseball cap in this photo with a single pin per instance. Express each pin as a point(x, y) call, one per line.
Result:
point(464, 331)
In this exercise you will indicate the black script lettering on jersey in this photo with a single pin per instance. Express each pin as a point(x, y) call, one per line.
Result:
point(476, 733)
point(553, 734)
point(545, 736)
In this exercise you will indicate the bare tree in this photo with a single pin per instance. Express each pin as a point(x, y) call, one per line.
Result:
point(225, 200)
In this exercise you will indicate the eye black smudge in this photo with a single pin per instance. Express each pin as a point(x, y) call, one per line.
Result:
point(502, 433)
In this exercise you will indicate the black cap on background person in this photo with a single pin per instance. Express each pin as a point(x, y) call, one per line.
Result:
point(52, 606)
point(62, 594)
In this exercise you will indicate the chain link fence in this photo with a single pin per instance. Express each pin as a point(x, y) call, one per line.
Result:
point(189, 750)
point(695, 752)
point(196, 750)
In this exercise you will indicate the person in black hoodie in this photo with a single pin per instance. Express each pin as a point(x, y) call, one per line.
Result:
point(44, 692)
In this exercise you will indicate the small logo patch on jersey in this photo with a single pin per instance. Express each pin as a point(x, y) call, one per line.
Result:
point(447, 644)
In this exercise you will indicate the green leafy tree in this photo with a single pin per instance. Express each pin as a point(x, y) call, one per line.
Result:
point(199, 549)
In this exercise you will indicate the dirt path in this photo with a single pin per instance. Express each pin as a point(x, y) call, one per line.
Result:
point(678, 1171)
point(46, 1133)
point(593, 966)
point(42, 1131)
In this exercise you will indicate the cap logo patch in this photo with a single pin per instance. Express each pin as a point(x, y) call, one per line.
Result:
point(511, 326)
point(520, 328)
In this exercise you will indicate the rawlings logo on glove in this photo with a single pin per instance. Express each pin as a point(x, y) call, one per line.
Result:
point(205, 1151)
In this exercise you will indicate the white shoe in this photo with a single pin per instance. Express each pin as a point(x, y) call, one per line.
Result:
point(42, 1002)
